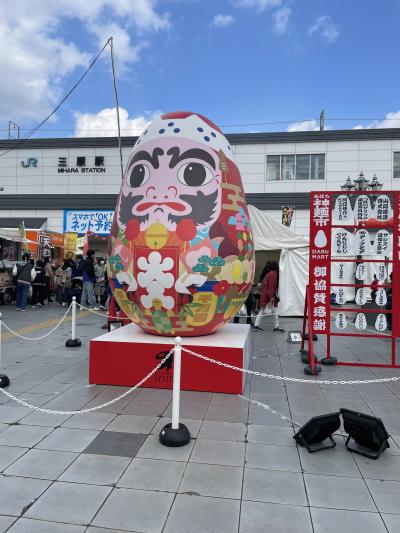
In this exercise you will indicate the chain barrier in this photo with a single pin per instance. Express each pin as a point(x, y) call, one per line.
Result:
point(104, 315)
point(268, 408)
point(42, 336)
point(96, 312)
point(286, 378)
point(90, 409)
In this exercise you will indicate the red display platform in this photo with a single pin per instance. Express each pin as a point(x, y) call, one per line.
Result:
point(125, 355)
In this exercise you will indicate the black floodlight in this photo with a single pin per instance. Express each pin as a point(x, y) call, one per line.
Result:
point(318, 429)
point(4, 381)
point(367, 431)
point(115, 324)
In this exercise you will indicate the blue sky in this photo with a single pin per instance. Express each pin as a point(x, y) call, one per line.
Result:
point(236, 61)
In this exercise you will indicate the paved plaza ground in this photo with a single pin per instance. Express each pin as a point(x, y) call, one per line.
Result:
point(242, 472)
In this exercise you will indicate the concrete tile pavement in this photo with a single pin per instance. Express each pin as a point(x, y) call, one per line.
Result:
point(242, 471)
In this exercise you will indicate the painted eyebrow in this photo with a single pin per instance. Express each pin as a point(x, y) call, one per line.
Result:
point(196, 153)
point(145, 156)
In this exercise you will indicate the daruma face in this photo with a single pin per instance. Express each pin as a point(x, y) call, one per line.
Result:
point(181, 248)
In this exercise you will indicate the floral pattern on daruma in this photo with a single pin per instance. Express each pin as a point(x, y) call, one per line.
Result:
point(181, 251)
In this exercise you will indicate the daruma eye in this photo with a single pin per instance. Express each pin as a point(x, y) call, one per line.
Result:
point(194, 174)
point(138, 175)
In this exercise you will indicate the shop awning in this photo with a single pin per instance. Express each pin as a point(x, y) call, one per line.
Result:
point(30, 222)
point(13, 235)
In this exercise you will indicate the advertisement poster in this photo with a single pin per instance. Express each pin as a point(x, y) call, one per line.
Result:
point(70, 242)
point(320, 257)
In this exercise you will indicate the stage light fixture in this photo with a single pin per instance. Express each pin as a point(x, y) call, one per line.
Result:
point(318, 429)
point(367, 431)
point(4, 381)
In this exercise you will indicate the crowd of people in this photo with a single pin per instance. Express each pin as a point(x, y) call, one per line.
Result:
point(43, 282)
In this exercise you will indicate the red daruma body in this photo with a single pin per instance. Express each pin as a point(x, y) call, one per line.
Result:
point(181, 252)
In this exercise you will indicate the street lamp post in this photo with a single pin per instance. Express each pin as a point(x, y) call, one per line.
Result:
point(361, 182)
point(374, 184)
point(348, 185)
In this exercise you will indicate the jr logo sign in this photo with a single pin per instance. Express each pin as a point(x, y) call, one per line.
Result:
point(29, 162)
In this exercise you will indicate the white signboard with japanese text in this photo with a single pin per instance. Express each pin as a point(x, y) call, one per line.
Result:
point(95, 221)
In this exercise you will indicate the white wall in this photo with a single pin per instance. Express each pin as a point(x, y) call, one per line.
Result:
point(342, 158)
point(45, 178)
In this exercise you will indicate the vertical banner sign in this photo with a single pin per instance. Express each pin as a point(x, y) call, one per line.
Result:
point(362, 231)
point(396, 266)
point(287, 215)
point(24, 245)
point(70, 241)
point(44, 245)
point(320, 257)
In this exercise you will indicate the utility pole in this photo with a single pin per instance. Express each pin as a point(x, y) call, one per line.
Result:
point(322, 121)
point(13, 130)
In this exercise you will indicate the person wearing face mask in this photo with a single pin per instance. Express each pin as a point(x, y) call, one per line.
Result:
point(100, 285)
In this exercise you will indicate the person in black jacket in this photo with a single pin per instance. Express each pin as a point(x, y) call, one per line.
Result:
point(38, 285)
point(24, 274)
point(89, 279)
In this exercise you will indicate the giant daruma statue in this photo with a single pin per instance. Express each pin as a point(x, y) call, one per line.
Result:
point(181, 252)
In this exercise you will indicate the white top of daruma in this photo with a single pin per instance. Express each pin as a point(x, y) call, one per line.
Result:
point(229, 336)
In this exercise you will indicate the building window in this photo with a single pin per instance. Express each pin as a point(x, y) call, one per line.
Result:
point(302, 167)
point(288, 166)
point(274, 167)
point(396, 165)
point(297, 167)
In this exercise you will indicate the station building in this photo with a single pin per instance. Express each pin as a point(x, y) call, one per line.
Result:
point(56, 184)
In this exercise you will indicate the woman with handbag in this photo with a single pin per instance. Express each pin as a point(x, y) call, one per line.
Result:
point(269, 297)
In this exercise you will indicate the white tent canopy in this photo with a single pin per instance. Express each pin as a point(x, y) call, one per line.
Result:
point(271, 235)
point(293, 277)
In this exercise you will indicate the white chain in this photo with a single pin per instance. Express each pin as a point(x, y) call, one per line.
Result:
point(268, 408)
point(285, 378)
point(42, 336)
point(117, 317)
point(91, 409)
point(97, 313)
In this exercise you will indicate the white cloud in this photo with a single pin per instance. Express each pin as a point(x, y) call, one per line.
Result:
point(281, 18)
point(391, 120)
point(220, 21)
point(326, 28)
point(258, 5)
point(37, 53)
point(104, 123)
point(305, 125)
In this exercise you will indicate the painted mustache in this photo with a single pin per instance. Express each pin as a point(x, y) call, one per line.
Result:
point(172, 205)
